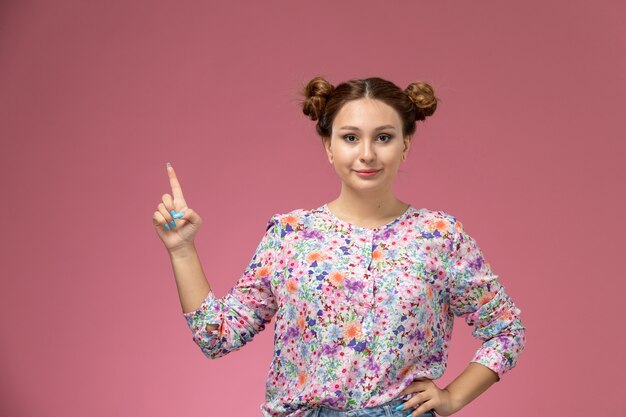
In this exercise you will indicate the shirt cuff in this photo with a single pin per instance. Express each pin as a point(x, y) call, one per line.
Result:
point(491, 359)
point(209, 312)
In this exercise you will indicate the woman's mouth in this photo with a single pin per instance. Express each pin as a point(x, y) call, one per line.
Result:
point(367, 172)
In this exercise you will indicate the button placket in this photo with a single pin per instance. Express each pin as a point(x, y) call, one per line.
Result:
point(359, 273)
point(367, 263)
point(364, 241)
point(370, 303)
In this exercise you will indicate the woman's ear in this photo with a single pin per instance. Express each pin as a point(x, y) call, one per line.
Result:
point(329, 154)
point(407, 145)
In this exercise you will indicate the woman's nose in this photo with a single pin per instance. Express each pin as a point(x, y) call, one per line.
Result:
point(367, 151)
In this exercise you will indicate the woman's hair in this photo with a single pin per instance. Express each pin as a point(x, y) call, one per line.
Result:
point(322, 100)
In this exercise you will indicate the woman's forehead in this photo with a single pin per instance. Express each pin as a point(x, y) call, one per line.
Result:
point(364, 113)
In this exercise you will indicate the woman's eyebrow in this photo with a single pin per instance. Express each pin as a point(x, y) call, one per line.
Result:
point(379, 128)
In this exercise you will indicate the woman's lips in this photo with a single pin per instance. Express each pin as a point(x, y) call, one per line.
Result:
point(367, 173)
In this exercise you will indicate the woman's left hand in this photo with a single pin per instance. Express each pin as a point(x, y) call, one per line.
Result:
point(428, 396)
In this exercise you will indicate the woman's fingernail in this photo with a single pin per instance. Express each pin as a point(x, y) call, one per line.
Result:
point(167, 226)
point(178, 215)
point(172, 212)
point(168, 165)
point(173, 223)
point(400, 407)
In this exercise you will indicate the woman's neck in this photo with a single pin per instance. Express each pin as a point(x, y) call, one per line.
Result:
point(367, 210)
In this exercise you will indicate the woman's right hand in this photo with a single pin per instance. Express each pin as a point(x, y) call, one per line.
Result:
point(186, 227)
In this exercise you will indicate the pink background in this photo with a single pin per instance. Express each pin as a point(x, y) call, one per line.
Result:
point(526, 148)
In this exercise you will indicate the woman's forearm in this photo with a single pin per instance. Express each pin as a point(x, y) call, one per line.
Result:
point(191, 282)
point(472, 382)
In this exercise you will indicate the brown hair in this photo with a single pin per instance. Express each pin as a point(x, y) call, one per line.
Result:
point(322, 100)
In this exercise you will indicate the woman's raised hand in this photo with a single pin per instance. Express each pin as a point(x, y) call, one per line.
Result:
point(175, 223)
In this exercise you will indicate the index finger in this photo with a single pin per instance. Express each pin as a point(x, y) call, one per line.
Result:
point(177, 191)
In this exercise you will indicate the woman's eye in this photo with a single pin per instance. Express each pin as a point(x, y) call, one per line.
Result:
point(384, 138)
point(349, 138)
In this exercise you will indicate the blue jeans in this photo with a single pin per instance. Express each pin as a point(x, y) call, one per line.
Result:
point(384, 410)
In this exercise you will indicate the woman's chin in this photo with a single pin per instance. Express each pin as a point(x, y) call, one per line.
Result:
point(365, 186)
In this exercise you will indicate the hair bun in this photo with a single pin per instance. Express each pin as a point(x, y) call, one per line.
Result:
point(315, 94)
point(423, 96)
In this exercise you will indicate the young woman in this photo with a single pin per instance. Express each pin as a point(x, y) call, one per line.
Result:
point(365, 287)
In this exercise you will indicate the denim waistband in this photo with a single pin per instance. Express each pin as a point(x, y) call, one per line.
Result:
point(384, 410)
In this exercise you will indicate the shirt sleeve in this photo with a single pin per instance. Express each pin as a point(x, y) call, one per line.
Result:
point(476, 295)
point(246, 308)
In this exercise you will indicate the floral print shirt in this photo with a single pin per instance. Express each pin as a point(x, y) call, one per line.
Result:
point(360, 312)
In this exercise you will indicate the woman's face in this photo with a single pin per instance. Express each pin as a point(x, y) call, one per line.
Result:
point(367, 136)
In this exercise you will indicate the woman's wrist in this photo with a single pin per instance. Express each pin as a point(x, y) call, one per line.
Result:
point(182, 251)
point(456, 402)
point(472, 382)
